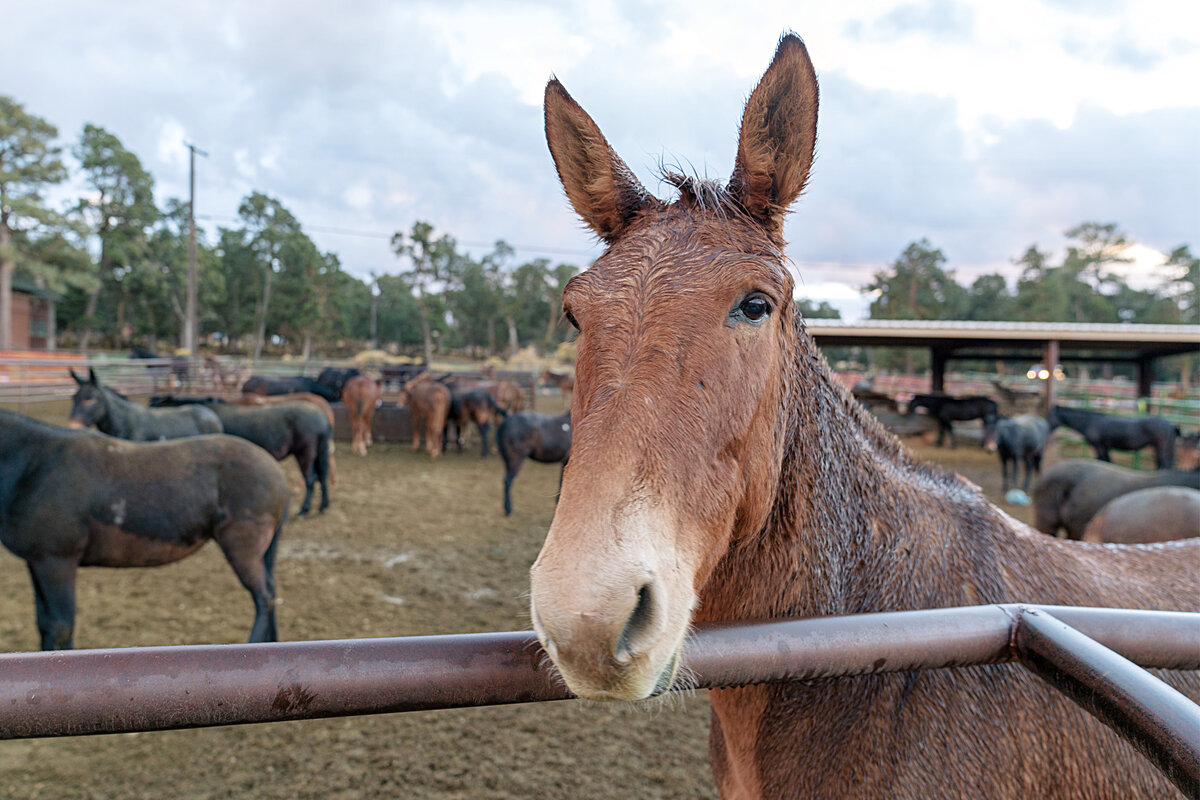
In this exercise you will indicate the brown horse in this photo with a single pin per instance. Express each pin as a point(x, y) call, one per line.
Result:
point(362, 395)
point(428, 402)
point(720, 472)
point(1158, 514)
point(565, 381)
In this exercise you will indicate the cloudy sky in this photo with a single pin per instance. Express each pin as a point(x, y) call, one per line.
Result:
point(984, 127)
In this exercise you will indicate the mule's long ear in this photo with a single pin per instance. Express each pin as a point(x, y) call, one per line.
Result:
point(92, 377)
point(599, 185)
point(778, 135)
point(78, 379)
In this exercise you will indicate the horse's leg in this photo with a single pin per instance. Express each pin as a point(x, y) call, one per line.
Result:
point(54, 597)
point(510, 472)
point(306, 461)
point(418, 427)
point(249, 547)
point(1102, 453)
point(322, 469)
point(483, 433)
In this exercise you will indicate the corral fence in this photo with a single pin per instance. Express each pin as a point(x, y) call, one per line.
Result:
point(31, 378)
point(1092, 655)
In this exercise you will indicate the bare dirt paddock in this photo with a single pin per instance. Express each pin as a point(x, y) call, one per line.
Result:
point(407, 548)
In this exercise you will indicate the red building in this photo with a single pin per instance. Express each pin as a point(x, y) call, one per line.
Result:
point(32, 315)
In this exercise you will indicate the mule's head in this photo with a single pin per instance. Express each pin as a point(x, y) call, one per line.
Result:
point(88, 405)
point(685, 332)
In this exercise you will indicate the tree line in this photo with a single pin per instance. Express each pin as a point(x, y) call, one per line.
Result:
point(113, 265)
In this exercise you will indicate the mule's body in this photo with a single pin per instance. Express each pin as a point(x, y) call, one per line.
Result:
point(71, 499)
point(1021, 440)
point(471, 406)
point(528, 434)
point(1105, 432)
point(948, 410)
point(1158, 514)
point(361, 395)
point(1072, 492)
point(428, 403)
point(111, 412)
point(262, 385)
point(719, 472)
point(287, 429)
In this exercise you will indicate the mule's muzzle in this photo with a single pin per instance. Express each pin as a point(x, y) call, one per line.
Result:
point(76, 424)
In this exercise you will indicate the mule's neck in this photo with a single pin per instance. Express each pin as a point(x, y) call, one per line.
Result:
point(119, 415)
point(857, 524)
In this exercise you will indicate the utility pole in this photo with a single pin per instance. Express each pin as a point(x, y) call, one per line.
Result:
point(374, 311)
point(191, 323)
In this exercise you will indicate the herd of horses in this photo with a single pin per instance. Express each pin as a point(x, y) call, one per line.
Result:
point(168, 476)
point(717, 471)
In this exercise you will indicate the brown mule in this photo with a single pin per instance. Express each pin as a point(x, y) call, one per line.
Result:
point(719, 472)
point(361, 396)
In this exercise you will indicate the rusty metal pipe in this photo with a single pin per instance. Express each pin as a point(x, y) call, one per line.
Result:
point(142, 689)
point(1159, 721)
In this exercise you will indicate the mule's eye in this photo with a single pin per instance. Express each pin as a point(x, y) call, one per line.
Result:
point(571, 319)
point(755, 308)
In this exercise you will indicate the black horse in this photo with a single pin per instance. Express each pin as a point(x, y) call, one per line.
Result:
point(947, 410)
point(467, 406)
point(1106, 432)
point(288, 429)
point(259, 384)
point(527, 434)
point(113, 413)
point(71, 499)
point(1021, 439)
point(335, 377)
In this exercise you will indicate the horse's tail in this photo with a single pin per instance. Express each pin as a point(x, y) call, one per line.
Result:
point(493, 406)
point(269, 555)
point(324, 462)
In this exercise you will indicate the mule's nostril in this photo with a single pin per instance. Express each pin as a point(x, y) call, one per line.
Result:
point(640, 623)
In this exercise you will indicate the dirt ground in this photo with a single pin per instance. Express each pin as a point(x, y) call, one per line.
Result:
point(408, 547)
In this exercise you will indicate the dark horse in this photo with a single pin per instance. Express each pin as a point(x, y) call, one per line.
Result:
point(287, 429)
point(1106, 432)
point(719, 472)
point(947, 410)
point(71, 499)
point(113, 413)
point(528, 434)
point(1072, 492)
point(1021, 439)
point(259, 384)
point(335, 377)
point(473, 405)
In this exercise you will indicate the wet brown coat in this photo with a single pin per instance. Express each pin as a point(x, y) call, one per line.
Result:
point(719, 472)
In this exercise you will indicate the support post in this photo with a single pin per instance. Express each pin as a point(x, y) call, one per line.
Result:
point(938, 358)
point(1051, 359)
point(1145, 376)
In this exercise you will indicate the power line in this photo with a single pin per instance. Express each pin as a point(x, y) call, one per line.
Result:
point(388, 237)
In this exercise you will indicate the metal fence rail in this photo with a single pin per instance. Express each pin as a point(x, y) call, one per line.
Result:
point(142, 689)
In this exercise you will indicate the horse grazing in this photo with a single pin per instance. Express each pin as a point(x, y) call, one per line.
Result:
point(719, 472)
point(1072, 492)
point(472, 405)
point(528, 434)
point(1159, 514)
point(113, 413)
point(71, 499)
point(361, 395)
point(428, 403)
point(262, 385)
point(1021, 438)
point(565, 382)
point(287, 429)
point(1106, 432)
point(948, 410)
